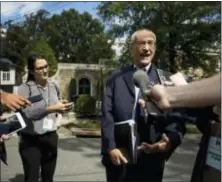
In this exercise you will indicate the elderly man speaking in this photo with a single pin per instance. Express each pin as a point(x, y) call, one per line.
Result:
point(119, 100)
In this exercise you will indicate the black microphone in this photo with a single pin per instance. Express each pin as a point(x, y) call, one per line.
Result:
point(141, 80)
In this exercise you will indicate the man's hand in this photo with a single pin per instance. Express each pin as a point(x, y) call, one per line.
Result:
point(161, 146)
point(4, 137)
point(13, 101)
point(117, 157)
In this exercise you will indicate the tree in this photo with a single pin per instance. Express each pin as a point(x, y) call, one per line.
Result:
point(34, 24)
point(186, 31)
point(42, 47)
point(73, 37)
point(15, 41)
point(78, 38)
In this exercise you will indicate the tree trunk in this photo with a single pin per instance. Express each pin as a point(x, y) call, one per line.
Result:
point(172, 53)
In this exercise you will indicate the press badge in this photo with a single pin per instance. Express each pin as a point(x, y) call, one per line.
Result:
point(214, 153)
point(47, 124)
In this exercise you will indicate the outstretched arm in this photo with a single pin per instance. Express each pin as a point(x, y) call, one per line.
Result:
point(196, 94)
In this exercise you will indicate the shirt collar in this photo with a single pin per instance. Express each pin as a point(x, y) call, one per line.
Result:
point(146, 68)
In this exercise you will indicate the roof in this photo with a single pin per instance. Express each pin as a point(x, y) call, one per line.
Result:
point(6, 64)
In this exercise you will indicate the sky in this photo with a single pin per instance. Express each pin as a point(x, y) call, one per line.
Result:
point(16, 11)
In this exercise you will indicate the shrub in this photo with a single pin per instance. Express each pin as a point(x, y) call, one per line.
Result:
point(85, 105)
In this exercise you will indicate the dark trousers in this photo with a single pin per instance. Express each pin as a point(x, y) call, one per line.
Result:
point(38, 152)
point(149, 168)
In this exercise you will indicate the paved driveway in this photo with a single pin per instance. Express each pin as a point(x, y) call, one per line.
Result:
point(79, 160)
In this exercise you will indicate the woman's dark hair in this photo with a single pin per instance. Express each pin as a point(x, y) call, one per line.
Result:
point(31, 65)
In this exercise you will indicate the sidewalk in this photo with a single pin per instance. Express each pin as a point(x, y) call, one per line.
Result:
point(79, 160)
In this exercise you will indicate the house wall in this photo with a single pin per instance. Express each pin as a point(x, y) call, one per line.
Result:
point(67, 72)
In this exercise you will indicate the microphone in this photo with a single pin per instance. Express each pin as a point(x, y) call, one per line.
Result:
point(141, 80)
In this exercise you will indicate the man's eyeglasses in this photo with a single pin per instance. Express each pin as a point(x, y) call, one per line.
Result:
point(42, 67)
point(143, 43)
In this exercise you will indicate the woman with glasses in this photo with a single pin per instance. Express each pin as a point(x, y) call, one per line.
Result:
point(38, 141)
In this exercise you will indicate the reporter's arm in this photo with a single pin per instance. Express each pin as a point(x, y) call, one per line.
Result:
point(202, 93)
point(13, 101)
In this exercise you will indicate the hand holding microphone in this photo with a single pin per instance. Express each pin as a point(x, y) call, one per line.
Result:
point(157, 100)
point(141, 80)
point(201, 93)
point(160, 96)
point(157, 95)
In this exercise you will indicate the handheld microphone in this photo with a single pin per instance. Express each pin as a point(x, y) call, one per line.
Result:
point(141, 80)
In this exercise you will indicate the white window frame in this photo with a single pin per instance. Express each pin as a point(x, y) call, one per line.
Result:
point(7, 77)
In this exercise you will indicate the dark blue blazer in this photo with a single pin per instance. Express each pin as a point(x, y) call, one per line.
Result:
point(117, 106)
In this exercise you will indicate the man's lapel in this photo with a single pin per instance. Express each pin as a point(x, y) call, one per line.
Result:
point(152, 73)
point(128, 78)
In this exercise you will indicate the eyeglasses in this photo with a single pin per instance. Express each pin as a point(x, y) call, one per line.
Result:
point(149, 42)
point(42, 68)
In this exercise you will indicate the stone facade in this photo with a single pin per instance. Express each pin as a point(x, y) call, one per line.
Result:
point(69, 75)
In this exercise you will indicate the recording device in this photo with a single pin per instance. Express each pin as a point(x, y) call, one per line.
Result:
point(35, 98)
point(163, 76)
point(178, 79)
point(13, 124)
point(141, 80)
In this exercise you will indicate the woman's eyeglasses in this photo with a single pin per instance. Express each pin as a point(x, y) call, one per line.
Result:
point(42, 67)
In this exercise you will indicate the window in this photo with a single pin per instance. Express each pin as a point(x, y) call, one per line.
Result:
point(6, 76)
point(84, 86)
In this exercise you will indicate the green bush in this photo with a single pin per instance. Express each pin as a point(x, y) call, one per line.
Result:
point(85, 105)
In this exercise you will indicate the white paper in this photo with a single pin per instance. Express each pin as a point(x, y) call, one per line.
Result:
point(130, 121)
point(178, 79)
point(47, 124)
point(214, 153)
